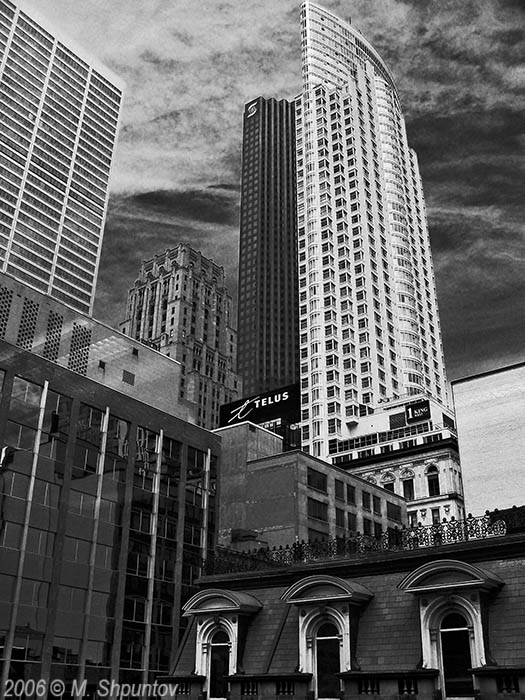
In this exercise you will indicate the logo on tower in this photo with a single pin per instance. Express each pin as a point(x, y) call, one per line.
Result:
point(280, 403)
point(417, 412)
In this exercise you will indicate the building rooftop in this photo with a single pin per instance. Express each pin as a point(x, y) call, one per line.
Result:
point(487, 373)
point(394, 543)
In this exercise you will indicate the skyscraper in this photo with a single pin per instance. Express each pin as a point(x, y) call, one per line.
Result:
point(59, 111)
point(369, 323)
point(181, 307)
point(268, 307)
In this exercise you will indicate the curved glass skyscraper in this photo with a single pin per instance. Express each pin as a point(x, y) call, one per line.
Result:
point(369, 323)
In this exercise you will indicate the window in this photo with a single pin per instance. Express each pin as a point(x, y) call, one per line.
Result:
point(366, 500)
point(377, 505)
point(433, 481)
point(317, 509)
point(324, 629)
point(408, 489)
point(452, 635)
point(328, 663)
point(317, 480)
point(393, 511)
point(339, 490)
point(350, 494)
point(128, 377)
point(219, 665)
point(456, 656)
point(216, 644)
point(339, 517)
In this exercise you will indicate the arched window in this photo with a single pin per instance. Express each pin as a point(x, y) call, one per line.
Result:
point(456, 655)
point(327, 660)
point(329, 611)
point(222, 620)
point(452, 596)
point(388, 481)
point(219, 664)
point(407, 482)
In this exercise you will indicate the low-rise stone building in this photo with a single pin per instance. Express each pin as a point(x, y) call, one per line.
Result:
point(278, 498)
point(440, 613)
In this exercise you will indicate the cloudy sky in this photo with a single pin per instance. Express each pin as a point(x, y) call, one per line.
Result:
point(189, 67)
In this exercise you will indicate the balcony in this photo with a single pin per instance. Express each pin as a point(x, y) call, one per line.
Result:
point(421, 537)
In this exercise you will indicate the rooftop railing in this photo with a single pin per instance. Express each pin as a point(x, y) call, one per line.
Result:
point(359, 545)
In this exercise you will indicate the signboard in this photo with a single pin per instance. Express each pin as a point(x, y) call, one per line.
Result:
point(282, 403)
point(417, 412)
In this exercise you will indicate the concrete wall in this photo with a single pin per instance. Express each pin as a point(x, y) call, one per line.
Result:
point(265, 490)
point(490, 411)
point(241, 444)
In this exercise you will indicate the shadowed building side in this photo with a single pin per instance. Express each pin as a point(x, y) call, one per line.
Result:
point(268, 352)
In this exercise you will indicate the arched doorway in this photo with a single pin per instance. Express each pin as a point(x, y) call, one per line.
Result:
point(219, 665)
point(328, 664)
point(456, 657)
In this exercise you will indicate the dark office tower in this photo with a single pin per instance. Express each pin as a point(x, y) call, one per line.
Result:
point(268, 306)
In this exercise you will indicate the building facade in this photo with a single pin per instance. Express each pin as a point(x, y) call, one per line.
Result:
point(369, 322)
point(59, 117)
point(490, 410)
point(268, 354)
point(434, 617)
point(280, 498)
point(107, 510)
point(181, 307)
point(409, 448)
point(46, 327)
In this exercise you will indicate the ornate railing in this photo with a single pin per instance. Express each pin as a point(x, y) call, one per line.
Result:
point(393, 540)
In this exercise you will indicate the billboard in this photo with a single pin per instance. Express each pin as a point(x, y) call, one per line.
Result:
point(279, 403)
point(417, 412)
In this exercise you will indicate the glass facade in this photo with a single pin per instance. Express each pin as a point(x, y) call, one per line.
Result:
point(105, 521)
point(59, 119)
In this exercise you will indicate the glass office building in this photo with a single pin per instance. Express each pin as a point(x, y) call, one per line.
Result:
point(107, 511)
point(59, 112)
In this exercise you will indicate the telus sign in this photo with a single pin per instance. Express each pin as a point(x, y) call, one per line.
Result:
point(280, 403)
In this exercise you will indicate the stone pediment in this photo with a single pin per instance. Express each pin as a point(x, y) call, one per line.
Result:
point(214, 600)
point(446, 574)
point(323, 589)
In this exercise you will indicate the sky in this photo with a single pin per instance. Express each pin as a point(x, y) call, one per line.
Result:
point(191, 65)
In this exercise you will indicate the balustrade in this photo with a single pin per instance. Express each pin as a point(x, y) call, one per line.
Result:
point(393, 540)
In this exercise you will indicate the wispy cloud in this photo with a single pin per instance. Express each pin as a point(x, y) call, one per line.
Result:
point(190, 67)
